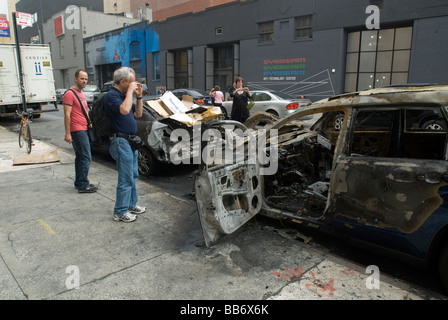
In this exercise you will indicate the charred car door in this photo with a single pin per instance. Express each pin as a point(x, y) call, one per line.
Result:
point(391, 168)
point(228, 187)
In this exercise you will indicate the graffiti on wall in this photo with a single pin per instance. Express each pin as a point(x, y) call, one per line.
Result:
point(283, 69)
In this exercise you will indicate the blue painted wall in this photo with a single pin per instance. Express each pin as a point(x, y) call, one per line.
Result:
point(123, 47)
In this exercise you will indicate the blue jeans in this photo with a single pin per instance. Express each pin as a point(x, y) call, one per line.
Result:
point(83, 158)
point(127, 166)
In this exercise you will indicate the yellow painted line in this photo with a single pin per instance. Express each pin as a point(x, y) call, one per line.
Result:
point(46, 226)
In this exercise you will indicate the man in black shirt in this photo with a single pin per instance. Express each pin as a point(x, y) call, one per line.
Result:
point(119, 107)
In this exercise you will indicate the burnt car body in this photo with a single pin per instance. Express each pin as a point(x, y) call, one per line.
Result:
point(375, 174)
point(156, 133)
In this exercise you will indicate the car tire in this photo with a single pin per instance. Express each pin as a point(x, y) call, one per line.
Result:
point(224, 113)
point(147, 162)
point(443, 266)
point(272, 112)
point(434, 125)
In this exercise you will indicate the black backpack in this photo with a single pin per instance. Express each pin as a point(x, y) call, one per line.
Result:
point(99, 118)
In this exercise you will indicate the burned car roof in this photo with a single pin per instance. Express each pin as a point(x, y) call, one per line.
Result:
point(437, 94)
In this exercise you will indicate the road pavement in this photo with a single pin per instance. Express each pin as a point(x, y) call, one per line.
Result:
point(57, 244)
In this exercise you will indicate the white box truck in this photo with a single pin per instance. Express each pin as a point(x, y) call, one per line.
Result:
point(38, 80)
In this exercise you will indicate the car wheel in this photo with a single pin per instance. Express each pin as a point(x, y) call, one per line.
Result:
point(272, 112)
point(443, 266)
point(147, 163)
point(434, 125)
point(224, 113)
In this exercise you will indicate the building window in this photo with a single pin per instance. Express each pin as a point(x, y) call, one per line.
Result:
point(156, 66)
point(304, 27)
point(135, 59)
point(135, 50)
point(181, 69)
point(266, 31)
point(223, 66)
point(61, 48)
point(377, 58)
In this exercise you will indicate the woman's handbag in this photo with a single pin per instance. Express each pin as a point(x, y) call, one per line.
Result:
point(251, 104)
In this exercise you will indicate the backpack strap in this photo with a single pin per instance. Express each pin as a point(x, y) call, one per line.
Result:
point(89, 123)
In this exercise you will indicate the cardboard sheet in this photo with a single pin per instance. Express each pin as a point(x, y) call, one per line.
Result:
point(48, 157)
point(173, 103)
point(185, 111)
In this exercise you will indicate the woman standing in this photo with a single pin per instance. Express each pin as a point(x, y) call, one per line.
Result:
point(218, 95)
point(241, 98)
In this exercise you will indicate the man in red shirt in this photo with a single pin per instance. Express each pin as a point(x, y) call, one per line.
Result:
point(76, 131)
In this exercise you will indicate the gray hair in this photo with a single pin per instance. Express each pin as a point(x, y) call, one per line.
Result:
point(124, 73)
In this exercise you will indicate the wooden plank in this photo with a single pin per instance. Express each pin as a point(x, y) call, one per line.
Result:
point(48, 157)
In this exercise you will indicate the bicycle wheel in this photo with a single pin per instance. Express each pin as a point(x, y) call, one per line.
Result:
point(21, 136)
point(28, 138)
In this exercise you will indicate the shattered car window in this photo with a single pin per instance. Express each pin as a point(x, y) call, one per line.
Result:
point(372, 133)
point(399, 133)
point(425, 120)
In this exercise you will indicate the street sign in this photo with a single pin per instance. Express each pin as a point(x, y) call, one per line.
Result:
point(24, 19)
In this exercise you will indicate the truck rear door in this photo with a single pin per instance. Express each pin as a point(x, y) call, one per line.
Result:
point(9, 76)
point(38, 77)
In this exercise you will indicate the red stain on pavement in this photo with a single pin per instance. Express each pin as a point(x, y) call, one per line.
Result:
point(289, 274)
point(350, 271)
point(321, 288)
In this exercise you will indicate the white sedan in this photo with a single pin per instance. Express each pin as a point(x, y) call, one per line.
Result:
point(277, 103)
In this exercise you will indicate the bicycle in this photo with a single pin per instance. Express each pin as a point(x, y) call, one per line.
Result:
point(25, 131)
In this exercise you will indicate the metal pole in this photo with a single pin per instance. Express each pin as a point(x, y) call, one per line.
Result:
point(19, 61)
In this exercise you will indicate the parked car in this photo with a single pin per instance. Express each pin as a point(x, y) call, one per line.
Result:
point(377, 177)
point(200, 96)
point(155, 129)
point(106, 87)
point(277, 103)
point(60, 95)
point(89, 91)
point(104, 90)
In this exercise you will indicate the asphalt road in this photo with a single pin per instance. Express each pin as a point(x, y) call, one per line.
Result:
point(50, 128)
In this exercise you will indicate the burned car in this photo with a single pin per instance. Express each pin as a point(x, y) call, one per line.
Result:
point(371, 169)
point(157, 127)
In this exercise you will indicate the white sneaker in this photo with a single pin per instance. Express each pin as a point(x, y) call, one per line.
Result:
point(126, 217)
point(137, 210)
